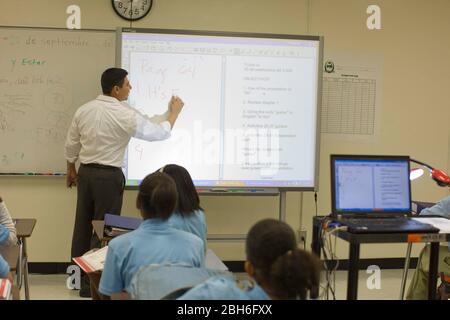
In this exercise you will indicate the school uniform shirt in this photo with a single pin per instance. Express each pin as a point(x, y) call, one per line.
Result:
point(6, 220)
point(442, 208)
point(194, 223)
point(225, 288)
point(101, 129)
point(153, 242)
point(4, 268)
point(4, 235)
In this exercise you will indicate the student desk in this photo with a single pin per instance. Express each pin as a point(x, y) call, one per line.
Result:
point(210, 258)
point(99, 229)
point(24, 229)
point(355, 241)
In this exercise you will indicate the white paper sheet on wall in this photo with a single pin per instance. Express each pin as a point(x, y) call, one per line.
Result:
point(351, 97)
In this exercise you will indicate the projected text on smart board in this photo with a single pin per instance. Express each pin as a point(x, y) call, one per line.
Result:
point(250, 114)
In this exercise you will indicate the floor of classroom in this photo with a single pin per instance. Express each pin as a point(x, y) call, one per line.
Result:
point(53, 287)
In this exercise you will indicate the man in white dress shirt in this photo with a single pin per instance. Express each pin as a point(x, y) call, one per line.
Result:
point(97, 138)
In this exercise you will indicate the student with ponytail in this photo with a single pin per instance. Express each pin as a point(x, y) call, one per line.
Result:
point(188, 215)
point(278, 268)
point(154, 241)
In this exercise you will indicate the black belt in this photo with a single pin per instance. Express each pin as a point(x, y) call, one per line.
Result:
point(99, 166)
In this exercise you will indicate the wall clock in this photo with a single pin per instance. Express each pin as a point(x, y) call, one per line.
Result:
point(132, 10)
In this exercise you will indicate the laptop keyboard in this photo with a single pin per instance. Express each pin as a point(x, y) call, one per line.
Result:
point(386, 225)
point(379, 222)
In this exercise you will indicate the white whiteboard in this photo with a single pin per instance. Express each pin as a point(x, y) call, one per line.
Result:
point(45, 75)
point(251, 105)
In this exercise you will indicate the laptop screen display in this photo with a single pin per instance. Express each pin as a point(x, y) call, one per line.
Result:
point(370, 184)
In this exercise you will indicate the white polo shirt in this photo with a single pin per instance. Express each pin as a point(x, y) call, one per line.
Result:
point(101, 129)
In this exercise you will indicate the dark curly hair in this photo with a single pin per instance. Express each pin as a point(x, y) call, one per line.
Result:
point(290, 272)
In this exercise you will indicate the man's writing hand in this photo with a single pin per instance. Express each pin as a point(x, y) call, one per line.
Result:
point(176, 105)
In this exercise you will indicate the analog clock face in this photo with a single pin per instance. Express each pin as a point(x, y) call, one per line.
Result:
point(132, 9)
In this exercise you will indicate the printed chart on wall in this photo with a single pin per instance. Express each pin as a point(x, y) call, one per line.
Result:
point(250, 114)
point(351, 97)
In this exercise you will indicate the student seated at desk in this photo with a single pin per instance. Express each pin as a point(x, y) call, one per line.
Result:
point(4, 267)
point(154, 241)
point(4, 270)
point(279, 268)
point(7, 222)
point(4, 235)
point(418, 289)
point(188, 215)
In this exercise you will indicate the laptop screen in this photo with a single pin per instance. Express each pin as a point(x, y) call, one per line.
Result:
point(370, 185)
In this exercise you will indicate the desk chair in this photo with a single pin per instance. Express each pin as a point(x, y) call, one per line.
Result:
point(24, 229)
point(405, 271)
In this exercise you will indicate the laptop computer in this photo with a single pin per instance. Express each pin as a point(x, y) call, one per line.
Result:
point(372, 194)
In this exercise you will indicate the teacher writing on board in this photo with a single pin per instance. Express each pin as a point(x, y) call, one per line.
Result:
point(97, 137)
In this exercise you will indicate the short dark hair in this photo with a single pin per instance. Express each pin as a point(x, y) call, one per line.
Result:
point(157, 196)
point(290, 272)
point(188, 199)
point(112, 77)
